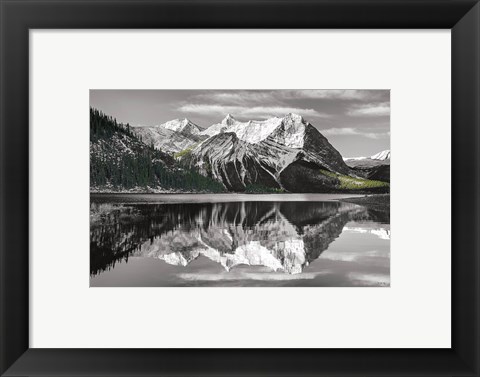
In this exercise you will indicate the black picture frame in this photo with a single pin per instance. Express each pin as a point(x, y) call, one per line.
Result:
point(19, 16)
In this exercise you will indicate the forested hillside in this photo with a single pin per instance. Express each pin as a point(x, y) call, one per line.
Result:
point(120, 160)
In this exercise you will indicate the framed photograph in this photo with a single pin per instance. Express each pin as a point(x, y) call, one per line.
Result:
point(208, 188)
point(239, 203)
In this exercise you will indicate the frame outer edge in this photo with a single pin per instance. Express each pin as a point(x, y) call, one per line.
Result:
point(14, 184)
point(466, 192)
point(3, 344)
point(14, 297)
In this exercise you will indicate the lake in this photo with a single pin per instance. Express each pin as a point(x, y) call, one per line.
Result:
point(236, 240)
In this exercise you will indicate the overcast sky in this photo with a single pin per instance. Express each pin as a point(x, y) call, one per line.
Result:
point(356, 122)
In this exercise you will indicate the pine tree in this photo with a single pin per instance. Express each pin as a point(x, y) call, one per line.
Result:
point(143, 166)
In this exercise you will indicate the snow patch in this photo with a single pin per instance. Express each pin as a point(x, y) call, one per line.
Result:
point(382, 156)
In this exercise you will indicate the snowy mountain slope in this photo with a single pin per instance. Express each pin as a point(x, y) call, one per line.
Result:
point(380, 156)
point(171, 137)
point(232, 161)
point(240, 154)
point(120, 161)
point(252, 131)
point(383, 155)
point(287, 153)
point(181, 125)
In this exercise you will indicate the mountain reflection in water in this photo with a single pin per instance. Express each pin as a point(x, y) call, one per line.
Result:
point(282, 237)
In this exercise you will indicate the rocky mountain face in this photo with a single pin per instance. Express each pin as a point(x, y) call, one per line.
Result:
point(279, 153)
point(171, 137)
point(121, 161)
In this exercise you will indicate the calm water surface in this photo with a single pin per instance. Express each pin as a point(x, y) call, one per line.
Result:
point(236, 240)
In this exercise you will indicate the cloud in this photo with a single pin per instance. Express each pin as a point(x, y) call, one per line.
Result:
point(371, 109)
point(342, 94)
point(249, 111)
point(251, 96)
point(237, 97)
point(349, 131)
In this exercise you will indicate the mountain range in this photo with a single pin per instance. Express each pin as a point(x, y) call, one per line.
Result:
point(172, 137)
point(121, 161)
point(280, 153)
point(379, 158)
point(285, 154)
point(375, 167)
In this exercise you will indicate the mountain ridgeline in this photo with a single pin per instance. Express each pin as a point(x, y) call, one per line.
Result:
point(275, 155)
point(121, 161)
point(374, 167)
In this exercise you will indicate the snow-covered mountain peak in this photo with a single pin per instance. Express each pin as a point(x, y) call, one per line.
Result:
point(228, 120)
point(252, 131)
point(271, 153)
point(172, 136)
point(181, 125)
point(293, 117)
point(292, 132)
point(383, 155)
point(288, 130)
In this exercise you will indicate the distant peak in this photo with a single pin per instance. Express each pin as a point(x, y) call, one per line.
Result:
point(383, 155)
point(183, 121)
point(228, 120)
point(181, 125)
point(176, 121)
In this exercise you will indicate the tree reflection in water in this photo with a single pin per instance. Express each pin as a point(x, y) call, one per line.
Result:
point(283, 236)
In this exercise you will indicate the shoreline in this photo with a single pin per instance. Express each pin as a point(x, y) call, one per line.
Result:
point(350, 193)
point(216, 197)
point(378, 202)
